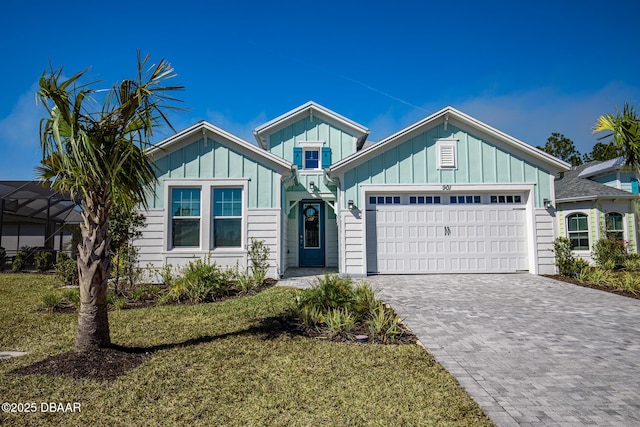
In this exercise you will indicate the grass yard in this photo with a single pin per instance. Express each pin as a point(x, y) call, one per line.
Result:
point(216, 367)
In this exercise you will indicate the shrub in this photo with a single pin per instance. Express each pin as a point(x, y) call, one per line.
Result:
point(632, 263)
point(168, 275)
point(384, 323)
point(201, 280)
point(366, 299)
point(67, 270)
point(564, 256)
point(43, 261)
point(339, 320)
point(20, 260)
point(610, 253)
point(629, 282)
point(73, 296)
point(259, 257)
point(3, 258)
point(51, 301)
point(244, 282)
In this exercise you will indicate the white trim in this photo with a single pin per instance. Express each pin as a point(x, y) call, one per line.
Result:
point(263, 131)
point(204, 127)
point(206, 213)
point(447, 153)
point(456, 118)
point(311, 144)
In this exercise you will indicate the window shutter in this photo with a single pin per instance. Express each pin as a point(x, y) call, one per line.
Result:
point(635, 189)
point(297, 157)
point(326, 157)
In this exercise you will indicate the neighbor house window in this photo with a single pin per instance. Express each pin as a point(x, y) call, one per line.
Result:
point(227, 217)
point(578, 231)
point(185, 217)
point(614, 225)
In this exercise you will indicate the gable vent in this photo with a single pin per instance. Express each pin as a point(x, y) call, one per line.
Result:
point(447, 153)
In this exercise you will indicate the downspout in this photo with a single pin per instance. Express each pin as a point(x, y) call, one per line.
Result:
point(283, 200)
point(336, 182)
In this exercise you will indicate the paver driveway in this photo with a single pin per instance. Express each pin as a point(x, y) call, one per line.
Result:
point(530, 350)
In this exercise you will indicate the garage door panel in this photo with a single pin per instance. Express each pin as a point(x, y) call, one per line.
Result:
point(446, 238)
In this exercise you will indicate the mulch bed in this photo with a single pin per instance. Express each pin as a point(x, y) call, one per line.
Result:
point(101, 364)
point(575, 281)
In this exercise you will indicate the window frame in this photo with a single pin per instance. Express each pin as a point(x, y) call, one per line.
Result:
point(206, 186)
point(310, 146)
point(620, 231)
point(213, 216)
point(576, 232)
point(172, 217)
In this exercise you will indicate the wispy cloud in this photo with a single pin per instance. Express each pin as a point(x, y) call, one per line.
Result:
point(226, 122)
point(19, 137)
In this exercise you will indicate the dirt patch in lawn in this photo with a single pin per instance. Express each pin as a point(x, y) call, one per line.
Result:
point(575, 281)
point(101, 364)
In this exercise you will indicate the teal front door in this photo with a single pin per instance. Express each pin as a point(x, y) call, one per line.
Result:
point(311, 234)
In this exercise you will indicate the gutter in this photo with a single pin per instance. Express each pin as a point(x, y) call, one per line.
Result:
point(591, 198)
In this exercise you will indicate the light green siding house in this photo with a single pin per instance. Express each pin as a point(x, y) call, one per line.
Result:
point(446, 194)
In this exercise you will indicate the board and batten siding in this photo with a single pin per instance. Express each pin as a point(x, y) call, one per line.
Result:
point(415, 162)
point(342, 144)
point(212, 159)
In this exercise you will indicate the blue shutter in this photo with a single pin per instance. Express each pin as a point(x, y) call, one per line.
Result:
point(326, 157)
point(297, 157)
point(634, 186)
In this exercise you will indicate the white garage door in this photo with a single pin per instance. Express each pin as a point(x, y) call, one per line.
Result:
point(446, 233)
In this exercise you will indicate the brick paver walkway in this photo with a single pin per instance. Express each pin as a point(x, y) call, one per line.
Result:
point(530, 350)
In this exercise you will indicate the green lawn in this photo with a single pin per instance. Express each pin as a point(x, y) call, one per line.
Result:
point(233, 376)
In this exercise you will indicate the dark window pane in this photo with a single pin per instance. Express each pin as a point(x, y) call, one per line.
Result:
point(421, 199)
point(453, 199)
point(517, 199)
point(501, 199)
point(436, 200)
point(427, 200)
point(227, 232)
point(494, 199)
point(476, 199)
point(460, 199)
point(311, 159)
point(509, 199)
point(381, 200)
point(372, 200)
point(185, 232)
point(388, 200)
point(396, 200)
point(412, 200)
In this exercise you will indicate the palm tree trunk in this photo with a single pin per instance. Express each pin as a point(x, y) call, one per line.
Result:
point(94, 265)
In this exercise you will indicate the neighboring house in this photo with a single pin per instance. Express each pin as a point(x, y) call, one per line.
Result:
point(596, 200)
point(446, 194)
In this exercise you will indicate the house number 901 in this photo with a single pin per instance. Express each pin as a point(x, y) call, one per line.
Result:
point(446, 188)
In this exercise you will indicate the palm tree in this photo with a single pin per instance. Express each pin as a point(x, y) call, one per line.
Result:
point(624, 131)
point(99, 157)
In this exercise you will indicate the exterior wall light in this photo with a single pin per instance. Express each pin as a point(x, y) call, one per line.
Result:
point(350, 205)
point(547, 203)
point(312, 185)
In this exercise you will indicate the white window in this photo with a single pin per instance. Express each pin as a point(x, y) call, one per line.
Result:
point(614, 223)
point(578, 231)
point(227, 217)
point(311, 158)
point(185, 217)
point(447, 153)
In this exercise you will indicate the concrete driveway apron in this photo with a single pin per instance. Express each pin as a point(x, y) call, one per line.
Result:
point(530, 350)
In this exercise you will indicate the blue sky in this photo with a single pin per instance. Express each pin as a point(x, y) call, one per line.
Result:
point(528, 69)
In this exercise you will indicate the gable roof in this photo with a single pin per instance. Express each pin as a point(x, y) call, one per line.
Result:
point(445, 115)
point(571, 186)
point(203, 127)
point(262, 132)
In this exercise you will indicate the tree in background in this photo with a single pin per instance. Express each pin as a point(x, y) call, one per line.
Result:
point(98, 155)
point(124, 226)
point(563, 148)
point(602, 152)
point(623, 129)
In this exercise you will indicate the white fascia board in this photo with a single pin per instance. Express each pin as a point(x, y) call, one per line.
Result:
point(204, 127)
point(279, 122)
point(592, 198)
point(446, 114)
point(450, 188)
